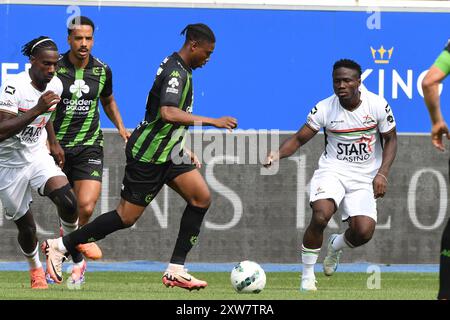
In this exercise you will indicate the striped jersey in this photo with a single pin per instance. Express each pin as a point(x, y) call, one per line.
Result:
point(153, 140)
point(17, 96)
point(353, 140)
point(77, 119)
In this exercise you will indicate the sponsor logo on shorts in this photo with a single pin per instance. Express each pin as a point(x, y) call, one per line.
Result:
point(95, 173)
point(319, 191)
point(95, 161)
point(149, 198)
point(194, 240)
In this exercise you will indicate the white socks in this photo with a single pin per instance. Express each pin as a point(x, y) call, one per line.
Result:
point(68, 227)
point(175, 267)
point(340, 243)
point(33, 258)
point(309, 259)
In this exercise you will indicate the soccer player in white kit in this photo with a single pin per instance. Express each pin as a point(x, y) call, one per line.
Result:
point(361, 144)
point(26, 103)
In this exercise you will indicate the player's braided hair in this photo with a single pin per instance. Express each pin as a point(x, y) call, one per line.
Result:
point(347, 63)
point(41, 43)
point(199, 32)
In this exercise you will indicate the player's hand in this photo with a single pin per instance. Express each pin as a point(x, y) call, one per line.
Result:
point(379, 185)
point(47, 100)
point(437, 131)
point(273, 156)
point(125, 134)
point(194, 158)
point(58, 153)
point(229, 123)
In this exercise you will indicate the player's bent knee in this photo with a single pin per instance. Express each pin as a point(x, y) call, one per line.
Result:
point(86, 209)
point(319, 220)
point(201, 202)
point(65, 200)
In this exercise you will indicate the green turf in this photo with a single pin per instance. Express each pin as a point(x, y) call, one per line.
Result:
point(280, 285)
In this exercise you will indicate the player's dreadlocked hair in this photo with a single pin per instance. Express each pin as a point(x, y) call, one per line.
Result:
point(199, 32)
point(80, 21)
point(41, 43)
point(347, 63)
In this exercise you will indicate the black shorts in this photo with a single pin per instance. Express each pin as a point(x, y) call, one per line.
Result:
point(83, 163)
point(142, 181)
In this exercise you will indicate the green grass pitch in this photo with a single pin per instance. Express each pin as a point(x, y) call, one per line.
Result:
point(280, 285)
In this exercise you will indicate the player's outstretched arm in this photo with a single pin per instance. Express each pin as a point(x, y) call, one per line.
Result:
point(289, 146)
point(11, 124)
point(178, 116)
point(380, 180)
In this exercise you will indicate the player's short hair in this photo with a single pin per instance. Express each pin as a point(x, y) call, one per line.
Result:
point(198, 32)
point(80, 21)
point(41, 43)
point(347, 63)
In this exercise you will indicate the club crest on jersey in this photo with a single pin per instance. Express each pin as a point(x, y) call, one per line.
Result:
point(368, 120)
point(79, 87)
point(96, 71)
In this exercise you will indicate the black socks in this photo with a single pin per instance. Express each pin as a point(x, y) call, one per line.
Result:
point(191, 222)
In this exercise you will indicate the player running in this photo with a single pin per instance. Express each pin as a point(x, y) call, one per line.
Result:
point(151, 153)
point(26, 103)
point(353, 168)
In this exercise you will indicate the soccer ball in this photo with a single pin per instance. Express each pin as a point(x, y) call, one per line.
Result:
point(248, 277)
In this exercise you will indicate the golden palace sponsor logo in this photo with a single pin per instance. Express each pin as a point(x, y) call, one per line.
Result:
point(381, 55)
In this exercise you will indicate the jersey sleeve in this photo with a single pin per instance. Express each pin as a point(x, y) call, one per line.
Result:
point(108, 87)
point(316, 118)
point(443, 60)
point(58, 87)
point(385, 116)
point(9, 101)
point(172, 88)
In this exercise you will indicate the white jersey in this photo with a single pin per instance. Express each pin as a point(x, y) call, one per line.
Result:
point(353, 140)
point(17, 96)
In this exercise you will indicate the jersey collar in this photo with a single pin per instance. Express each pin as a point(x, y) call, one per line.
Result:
point(178, 57)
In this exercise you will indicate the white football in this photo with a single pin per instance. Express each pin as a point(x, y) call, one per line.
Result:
point(248, 277)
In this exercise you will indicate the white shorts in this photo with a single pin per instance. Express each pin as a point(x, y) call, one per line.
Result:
point(16, 184)
point(352, 196)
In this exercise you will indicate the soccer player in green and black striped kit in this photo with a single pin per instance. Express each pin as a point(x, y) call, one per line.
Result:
point(430, 85)
point(151, 152)
point(86, 80)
